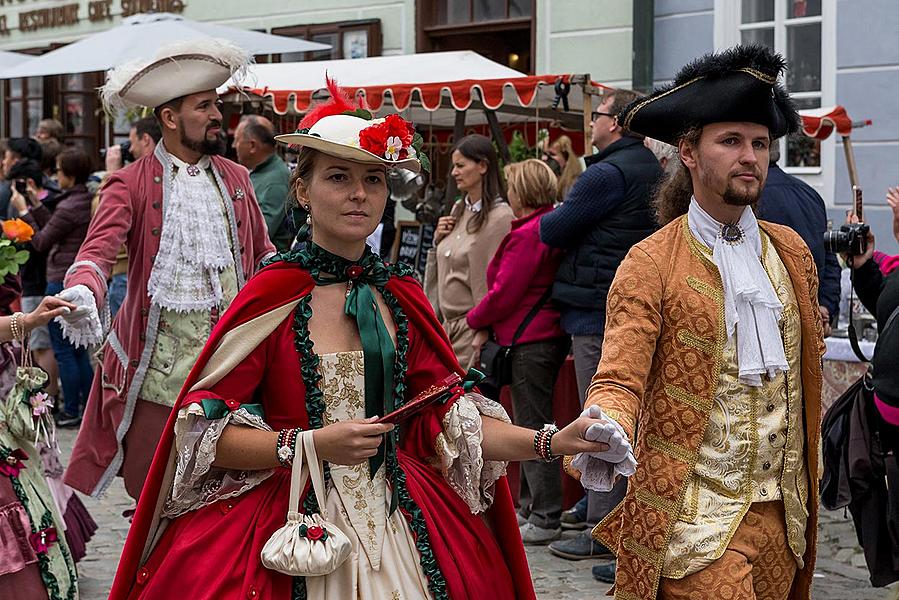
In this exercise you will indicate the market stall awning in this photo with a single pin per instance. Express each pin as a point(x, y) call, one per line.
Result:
point(11, 59)
point(141, 36)
point(418, 83)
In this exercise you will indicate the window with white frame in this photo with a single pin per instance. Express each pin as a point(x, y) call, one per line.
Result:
point(793, 28)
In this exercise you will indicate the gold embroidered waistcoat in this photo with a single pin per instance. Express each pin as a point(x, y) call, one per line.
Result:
point(751, 452)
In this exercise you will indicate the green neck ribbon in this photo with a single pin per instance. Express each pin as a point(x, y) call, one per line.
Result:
point(377, 347)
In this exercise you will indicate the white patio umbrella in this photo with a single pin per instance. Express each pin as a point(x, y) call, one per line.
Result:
point(11, 59)
point(140, 36)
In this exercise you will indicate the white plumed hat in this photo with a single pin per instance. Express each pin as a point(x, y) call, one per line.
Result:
point(177, 70)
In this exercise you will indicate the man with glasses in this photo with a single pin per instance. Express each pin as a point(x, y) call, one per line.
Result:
point(606, 212)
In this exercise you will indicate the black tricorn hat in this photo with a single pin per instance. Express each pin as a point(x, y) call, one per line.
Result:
point(737, 84)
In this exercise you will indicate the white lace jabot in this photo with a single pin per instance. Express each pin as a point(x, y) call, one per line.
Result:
point(194, 247)
point(751, 306)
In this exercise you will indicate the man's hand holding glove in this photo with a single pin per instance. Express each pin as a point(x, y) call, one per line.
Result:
point(600, 469)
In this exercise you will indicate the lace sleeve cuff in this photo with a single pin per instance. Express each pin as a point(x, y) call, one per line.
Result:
point(459, 455)
point(85, 329)
point(197, 482)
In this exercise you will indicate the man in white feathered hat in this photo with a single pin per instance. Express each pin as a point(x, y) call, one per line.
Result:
point(194, 235)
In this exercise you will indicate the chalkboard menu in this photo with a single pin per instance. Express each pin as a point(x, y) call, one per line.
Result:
point(427, 242)
point(413, 240)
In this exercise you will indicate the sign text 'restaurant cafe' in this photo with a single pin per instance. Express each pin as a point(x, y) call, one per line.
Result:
point(97, 11)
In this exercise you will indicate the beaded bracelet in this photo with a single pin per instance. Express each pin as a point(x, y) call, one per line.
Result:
point(286, 446)
point(16, 327)
point(543, 442)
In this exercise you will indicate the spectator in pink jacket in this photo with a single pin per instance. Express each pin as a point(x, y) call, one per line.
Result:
point(518, 277)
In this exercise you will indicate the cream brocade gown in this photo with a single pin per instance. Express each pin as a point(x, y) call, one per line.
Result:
point(384, 564)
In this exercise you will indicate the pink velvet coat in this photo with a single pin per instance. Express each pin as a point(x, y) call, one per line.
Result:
point(131, 214)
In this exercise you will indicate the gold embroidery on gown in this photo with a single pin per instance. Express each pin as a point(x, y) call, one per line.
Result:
point(385, 563)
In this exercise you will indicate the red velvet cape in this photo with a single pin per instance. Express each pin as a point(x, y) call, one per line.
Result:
point(285, 282)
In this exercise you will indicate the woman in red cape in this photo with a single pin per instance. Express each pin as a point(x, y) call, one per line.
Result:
point(327, 338)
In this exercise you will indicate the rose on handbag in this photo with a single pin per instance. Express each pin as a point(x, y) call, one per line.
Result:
point(307, 545)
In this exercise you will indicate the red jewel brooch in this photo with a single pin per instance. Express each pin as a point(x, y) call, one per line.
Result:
point(354, 271)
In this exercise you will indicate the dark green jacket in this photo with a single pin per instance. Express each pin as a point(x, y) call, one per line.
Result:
point(270, 182)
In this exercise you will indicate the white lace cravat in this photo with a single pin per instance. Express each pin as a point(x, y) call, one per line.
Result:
point(751, 306)
point(194, 247)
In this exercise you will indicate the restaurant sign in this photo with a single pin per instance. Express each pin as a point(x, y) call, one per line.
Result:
point(71, 14)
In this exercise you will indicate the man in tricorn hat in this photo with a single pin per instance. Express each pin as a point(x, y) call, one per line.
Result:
point(194, 235)
point(712, 357)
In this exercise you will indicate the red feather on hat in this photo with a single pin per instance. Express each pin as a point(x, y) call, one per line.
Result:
point(339, 103)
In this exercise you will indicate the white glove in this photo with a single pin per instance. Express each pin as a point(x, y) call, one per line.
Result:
point(82, 326)
point(82, 298)
point(609, 432)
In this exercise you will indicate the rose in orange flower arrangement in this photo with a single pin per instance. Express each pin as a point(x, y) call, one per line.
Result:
point(18, 231)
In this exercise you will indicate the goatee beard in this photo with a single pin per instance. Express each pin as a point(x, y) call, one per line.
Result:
point(735, 198)
point(205, 146)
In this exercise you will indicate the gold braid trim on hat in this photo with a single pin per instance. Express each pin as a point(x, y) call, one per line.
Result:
point(763, 77)
point(630, 115)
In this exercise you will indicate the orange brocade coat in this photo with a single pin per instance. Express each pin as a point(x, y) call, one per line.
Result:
point(661, 360)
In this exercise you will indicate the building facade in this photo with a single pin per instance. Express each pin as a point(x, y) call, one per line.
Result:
point(629, 43)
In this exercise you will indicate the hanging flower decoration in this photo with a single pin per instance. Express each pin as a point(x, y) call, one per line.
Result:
point(41, 403)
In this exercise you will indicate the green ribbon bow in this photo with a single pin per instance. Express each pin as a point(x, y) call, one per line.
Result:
point(377, 346)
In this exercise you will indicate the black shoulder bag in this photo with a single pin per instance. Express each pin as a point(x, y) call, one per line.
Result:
point(496, 360)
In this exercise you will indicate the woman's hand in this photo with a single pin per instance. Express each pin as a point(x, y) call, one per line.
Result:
point(857, 261)
point(49, 308)
point(571, 440)
point(893, 201)
point(444, 227)
point(350, 442)
point(477, 342)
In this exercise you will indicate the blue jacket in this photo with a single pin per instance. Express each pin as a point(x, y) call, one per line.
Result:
point(789, 201)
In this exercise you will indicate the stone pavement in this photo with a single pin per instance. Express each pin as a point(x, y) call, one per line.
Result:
point(840, 573)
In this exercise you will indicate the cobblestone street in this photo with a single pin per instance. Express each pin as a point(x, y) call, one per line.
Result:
point(840, 574)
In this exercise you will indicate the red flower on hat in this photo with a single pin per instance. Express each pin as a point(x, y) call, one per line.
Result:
point(390, 139)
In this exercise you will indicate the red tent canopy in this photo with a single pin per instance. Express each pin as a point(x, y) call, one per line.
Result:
point(430, 86)
point(819, 123)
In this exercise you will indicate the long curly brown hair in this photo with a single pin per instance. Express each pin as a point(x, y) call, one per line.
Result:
point(672, 199)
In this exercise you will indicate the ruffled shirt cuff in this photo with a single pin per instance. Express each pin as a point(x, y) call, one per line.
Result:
point(460, 458)
point(597, 473)
point(197, 483)
point(86, 330)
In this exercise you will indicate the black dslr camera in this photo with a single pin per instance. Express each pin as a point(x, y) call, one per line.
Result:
point(127, 156)
point(851, 238)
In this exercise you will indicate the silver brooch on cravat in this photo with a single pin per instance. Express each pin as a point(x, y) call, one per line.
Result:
point(732, 234)
point(193, 170)
point(238, 194)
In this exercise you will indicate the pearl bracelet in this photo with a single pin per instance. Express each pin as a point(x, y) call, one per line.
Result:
point(15, 326)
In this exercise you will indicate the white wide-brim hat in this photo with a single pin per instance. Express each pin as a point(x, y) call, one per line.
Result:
point(338, 135)
point(178, 70)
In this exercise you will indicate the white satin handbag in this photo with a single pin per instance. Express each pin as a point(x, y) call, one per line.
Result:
point(307, 545)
